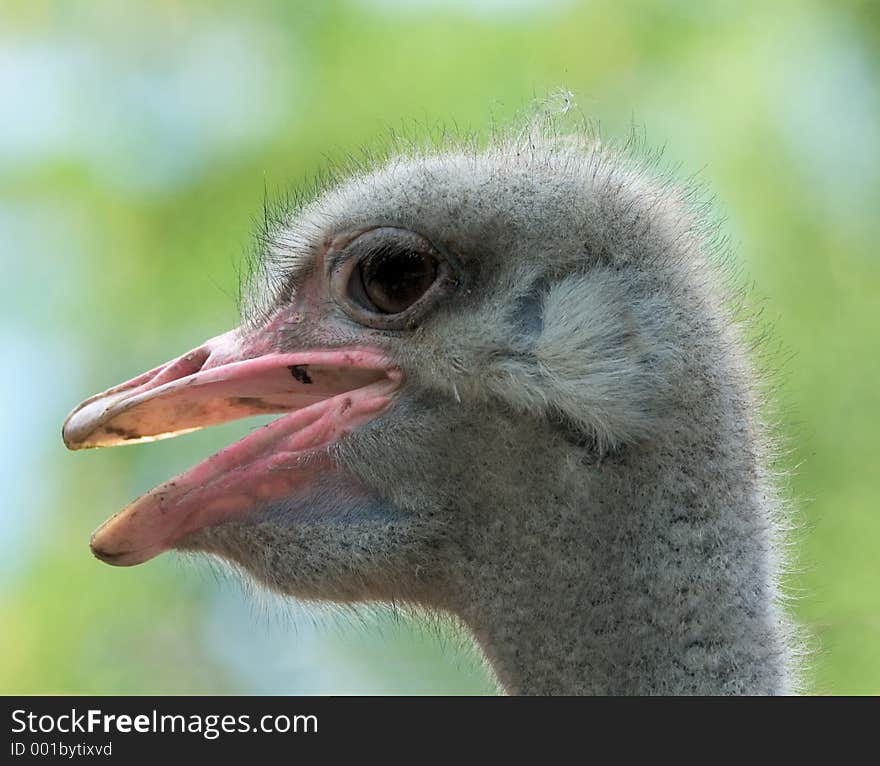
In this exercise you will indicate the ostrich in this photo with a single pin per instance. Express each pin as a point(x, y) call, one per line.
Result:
point(513, 389)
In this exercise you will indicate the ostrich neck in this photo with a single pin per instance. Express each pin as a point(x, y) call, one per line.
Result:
point(649, 574)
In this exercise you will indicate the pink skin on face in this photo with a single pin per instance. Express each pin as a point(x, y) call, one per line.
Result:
point(326, 392)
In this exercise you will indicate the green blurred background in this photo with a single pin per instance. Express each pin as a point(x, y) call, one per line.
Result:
point(136, 140)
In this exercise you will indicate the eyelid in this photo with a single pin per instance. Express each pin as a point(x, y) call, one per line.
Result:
point(336, 246)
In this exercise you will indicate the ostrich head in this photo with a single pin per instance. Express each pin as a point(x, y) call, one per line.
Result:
point(510, 390)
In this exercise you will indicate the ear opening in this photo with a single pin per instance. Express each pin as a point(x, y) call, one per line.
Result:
point(528, 312)
point(592, 358)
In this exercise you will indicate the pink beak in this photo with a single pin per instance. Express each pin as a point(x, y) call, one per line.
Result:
point(326, 393)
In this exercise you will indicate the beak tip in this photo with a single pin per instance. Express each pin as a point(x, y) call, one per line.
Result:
point(99, 551)
point(72, 440)
point(68, 440)
point(107, 558)
point(123, 558)
point(72, 431)
point(82, 430)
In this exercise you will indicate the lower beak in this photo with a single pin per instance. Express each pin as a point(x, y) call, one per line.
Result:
point(325, 393)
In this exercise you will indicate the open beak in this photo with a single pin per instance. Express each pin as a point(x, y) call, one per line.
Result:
point(323, 394)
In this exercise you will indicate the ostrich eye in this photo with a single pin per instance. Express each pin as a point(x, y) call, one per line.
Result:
point(388, 275)
point(393, 278)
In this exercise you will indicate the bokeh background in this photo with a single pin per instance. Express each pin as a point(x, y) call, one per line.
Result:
point(136, 142)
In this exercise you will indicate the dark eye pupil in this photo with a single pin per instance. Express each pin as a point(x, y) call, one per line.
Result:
point(393, 278)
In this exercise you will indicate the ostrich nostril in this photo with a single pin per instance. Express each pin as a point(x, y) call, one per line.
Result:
point(188, 364)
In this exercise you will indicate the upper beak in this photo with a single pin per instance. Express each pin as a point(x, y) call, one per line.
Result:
point(226, 378)
point(326, 392)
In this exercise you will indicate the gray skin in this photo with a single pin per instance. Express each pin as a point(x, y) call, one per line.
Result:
point(575, 466)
